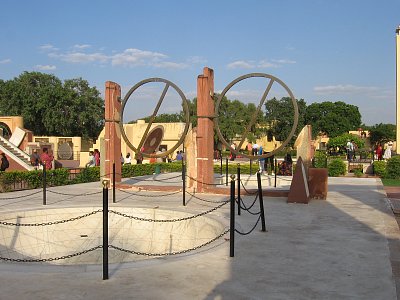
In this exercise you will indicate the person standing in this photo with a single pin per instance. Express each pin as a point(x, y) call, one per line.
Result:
point(4, 162)
point(379, 151)
point(349, 150)
point(47, 159)
point(261, 161)
point(388, 152)
point(35, 159)
point(128, 159)
point(97, 157)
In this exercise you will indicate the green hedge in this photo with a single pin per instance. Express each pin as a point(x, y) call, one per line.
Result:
point(336, 167)
point(393, 168)
point(380, 168)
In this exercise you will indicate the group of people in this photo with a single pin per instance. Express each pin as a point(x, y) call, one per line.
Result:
point(384, 155)
point(43, 160)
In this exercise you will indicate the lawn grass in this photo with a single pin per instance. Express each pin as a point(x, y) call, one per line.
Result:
point(390, 182)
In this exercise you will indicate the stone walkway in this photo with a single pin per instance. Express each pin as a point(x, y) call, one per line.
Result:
point(346, 247)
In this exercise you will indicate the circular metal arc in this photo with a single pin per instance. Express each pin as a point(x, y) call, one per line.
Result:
point(272, 80)
point(185, 110)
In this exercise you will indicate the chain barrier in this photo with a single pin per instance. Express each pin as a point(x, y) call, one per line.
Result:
point(52, 222)
point(205, 200)
point(214, 184)
point(243, 206)
point(74, 195)
point(23, 196)
point(254, 227)
point(170, 253)
point(246, 190)
point(284, 177)
point(144, 195)
point(51, 258)
point(167, 220)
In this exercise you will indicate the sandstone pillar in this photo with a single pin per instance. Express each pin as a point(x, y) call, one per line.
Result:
point(205, 129)
point(112, 138)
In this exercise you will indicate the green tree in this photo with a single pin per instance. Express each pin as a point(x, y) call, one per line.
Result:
point(341, 141)
point(331, 118)
point(382, 133)
point(51, 107)
point(280, 116)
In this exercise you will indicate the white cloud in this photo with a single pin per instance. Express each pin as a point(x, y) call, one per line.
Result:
point(136, 57)
point(266, 64)
point(48, 48)
point(80, 47)
point(45, 67)
point(79, 57)
point(240, 64)
point(274, 63)
point(344, 89)
point(5, 61)
point(283, 61)
point(130, 57)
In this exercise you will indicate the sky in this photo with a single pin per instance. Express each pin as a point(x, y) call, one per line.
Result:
point(342, 50)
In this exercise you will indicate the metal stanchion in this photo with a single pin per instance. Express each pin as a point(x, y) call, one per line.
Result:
point(44, 185)
point(232, 227)
point(373, 162)
point(226, 170)
point(326, 162)
point(275, 169)
point(260, 197)
point(251, 167)
point(105, 229)
point(220, 169)
point(113, 183)
point(183, 183)
point(238, 188)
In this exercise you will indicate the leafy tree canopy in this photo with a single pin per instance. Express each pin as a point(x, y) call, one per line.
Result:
point(382, 133)
point(332, 118)
point(51, 107)
point(339, 142)
point(280, 116)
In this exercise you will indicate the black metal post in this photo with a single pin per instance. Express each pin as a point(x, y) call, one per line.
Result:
point(220, 169)
point(226, 170)
point(251, 167)
point(113, 183)
point(275, 169)
point(105, 229)
point(373, 162)
point(238, 188)
point(44, 185)
point(232, 227)
point(183, 183)
point(326, 162)
point(260, 197)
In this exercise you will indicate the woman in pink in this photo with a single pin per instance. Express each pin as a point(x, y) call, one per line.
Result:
point(47, 159)
point(379, 152)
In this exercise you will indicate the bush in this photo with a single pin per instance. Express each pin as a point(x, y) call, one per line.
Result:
point(380, 168)
point(336, 167)
point(320, 159)
point(393, 168)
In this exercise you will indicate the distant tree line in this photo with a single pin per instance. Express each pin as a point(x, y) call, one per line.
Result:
point(71, 107)
point(52, 107)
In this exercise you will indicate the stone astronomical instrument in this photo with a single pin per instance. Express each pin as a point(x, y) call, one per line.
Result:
point(271, 80)
point(149, 137)
point(153, 140)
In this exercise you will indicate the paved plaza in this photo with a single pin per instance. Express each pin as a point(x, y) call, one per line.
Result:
point(346, 247)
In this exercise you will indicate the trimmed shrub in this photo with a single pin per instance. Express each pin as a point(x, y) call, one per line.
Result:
point(393, 168)
point(320, 159)
point(336, 167)
point(380, 168)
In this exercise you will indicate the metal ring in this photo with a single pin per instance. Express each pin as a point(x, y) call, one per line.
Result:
point(272, 80)
point(185, 109)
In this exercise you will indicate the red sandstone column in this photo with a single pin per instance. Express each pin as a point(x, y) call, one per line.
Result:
point(112, 138)
point(205, 129)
